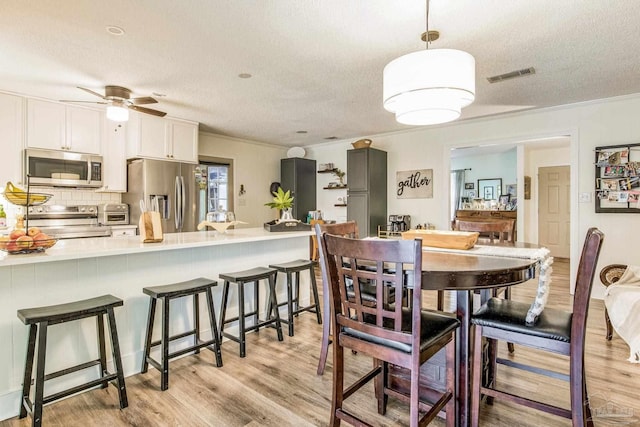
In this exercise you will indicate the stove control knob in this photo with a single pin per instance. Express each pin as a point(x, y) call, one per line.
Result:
point(81, 208)
point(91, 209)
point(39, 209)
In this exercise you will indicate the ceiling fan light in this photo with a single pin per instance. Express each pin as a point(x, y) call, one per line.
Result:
point(117, 113)
point(440, 81)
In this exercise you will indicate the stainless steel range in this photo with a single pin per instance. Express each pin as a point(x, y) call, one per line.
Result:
point(68, 222)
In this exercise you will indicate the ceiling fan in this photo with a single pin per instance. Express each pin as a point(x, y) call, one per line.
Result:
point(118, 96)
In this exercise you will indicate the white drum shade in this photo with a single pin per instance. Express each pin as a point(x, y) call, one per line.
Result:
point(429, 86)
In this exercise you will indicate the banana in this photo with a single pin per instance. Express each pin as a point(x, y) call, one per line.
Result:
point(18, 196)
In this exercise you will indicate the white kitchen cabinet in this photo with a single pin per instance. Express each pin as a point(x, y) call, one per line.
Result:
point(114, 158)
point(184, 140)
point(55, 126)
point(162, 138)
point(11, 135)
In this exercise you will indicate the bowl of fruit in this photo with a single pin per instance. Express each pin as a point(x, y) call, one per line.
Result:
point(21, 241)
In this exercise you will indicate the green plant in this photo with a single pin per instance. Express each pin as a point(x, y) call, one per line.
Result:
point(340, 174)
point(281, 200)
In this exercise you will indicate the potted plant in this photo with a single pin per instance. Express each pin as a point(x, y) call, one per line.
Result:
point(340, 175)
point(283, 201)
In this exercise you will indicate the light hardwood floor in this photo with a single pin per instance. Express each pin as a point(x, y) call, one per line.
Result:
point(276, 384)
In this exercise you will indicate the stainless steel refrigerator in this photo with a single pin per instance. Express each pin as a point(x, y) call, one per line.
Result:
point(176, 190)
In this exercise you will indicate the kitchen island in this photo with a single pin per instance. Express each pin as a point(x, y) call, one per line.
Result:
point(83, 268)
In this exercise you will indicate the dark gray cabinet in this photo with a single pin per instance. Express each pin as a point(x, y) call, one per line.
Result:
point(367, 195)
point(299, 176)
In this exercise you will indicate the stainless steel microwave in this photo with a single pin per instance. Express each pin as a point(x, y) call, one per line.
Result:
point(62, 168)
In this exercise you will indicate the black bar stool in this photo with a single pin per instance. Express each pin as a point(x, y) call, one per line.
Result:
point(43, 317)
point(241, 278)
point(166, 293)
point(296, 267)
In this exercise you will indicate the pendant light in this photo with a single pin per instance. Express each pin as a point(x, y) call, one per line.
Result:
point(430, 86)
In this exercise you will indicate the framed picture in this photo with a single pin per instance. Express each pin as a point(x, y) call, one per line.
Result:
point(469, 186)
point(490, 189)
point(512, 189)
point(617, 179)
point(504, 199)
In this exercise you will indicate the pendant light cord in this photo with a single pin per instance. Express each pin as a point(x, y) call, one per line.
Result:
point(427, 26)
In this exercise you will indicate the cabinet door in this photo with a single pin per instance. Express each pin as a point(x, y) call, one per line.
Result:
point(183, 141)
point(11, 135)
point(46, 125)
point(84, 130)
point(115, 162)
point(358, 170)
point(358, 211)
point(152, 137)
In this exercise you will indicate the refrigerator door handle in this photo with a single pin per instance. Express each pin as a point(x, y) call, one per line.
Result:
point(183, 202)
point(177, 204)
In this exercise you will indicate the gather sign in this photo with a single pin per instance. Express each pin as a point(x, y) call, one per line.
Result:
point(415, 184)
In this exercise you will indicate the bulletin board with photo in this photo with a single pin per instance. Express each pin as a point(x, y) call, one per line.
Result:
point(618, 178)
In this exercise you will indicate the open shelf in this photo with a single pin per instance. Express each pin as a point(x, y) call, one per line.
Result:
point(344, 205)
point(344, 187)
point(328, 171)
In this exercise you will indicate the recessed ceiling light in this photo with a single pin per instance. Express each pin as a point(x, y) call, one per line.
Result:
point(331, 137)
point(301, 131)
point(115, 31)
point(158, 94)
point(244, 75)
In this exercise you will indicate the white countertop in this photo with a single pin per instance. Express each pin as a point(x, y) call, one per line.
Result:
point(103, 246)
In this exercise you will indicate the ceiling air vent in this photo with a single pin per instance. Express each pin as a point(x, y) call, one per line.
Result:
point(512, 75)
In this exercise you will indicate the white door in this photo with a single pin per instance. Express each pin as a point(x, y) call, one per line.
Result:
point(554, 209)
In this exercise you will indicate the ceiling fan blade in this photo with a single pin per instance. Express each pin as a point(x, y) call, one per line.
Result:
point(91, 92)
point(147, 111)
point(88, 102)
point(142, 100)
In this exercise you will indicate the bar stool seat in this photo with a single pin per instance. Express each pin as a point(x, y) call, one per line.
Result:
point(166, 293)
point(289, 268)
point(241, 278)
point(43, 317)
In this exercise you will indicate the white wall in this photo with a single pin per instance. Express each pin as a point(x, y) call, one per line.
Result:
point(602, 122)
point(255, 165)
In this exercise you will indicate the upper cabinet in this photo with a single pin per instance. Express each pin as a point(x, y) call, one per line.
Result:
point(11, 135)
point(162, 138)
point(56, 126)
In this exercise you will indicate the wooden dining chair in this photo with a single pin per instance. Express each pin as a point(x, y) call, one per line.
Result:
point(554, 330)
point(608, 276)
point(344, 229)
point(390, 334)
point(502, 230)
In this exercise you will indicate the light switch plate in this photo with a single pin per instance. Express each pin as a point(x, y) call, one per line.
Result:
point(585, 198)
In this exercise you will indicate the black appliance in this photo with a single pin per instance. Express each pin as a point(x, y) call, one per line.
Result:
point(398, 223)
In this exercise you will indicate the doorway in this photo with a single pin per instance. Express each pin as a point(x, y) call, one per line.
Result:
point(554, 213)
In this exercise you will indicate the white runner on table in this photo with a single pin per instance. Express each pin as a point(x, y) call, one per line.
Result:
point(542, 255)
point(622, 300)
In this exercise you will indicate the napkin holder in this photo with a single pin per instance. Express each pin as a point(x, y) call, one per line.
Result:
point(150, 227)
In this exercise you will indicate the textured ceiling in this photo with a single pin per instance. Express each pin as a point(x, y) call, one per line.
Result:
point(316, 64)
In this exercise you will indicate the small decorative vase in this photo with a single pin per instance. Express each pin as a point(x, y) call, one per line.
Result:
point(286, 215)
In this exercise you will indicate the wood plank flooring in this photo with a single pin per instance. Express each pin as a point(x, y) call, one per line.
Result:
point(276, 384)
